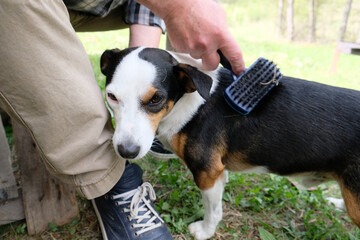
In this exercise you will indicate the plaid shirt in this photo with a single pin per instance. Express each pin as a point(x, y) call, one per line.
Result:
point(135, 13)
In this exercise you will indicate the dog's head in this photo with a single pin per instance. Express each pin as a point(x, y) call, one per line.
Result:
point(142, 86)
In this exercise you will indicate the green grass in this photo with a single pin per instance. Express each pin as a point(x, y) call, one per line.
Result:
point(255, 206)
point(252, 203)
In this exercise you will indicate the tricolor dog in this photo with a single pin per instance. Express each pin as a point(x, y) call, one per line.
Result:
point(301, 127)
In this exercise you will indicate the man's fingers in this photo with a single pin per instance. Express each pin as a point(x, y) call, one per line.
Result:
point(196, 55)
point(233, 53)
point(211, 61)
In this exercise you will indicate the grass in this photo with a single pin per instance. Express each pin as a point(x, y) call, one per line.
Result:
point(252, 205)
point(255, 206)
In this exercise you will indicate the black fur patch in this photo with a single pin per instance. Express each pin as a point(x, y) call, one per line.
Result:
point(300, 126)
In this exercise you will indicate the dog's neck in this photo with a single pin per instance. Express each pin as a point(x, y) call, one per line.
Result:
point(185, 108)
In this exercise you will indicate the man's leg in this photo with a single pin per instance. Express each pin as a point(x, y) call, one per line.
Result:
point(47, 83)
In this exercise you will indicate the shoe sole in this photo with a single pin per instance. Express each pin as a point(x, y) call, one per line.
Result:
point(163, 156)
point(103, 232)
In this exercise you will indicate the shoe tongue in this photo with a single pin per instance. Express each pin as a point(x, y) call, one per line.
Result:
point(130, 180)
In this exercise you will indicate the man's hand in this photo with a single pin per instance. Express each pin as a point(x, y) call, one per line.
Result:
point(199, 27)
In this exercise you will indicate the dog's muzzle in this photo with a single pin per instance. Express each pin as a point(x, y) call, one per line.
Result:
point(128, 150)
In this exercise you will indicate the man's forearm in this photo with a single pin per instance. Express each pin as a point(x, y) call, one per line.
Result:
point(138, 33)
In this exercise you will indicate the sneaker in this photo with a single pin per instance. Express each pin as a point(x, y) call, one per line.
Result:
point(127, 212)
point(157, 150)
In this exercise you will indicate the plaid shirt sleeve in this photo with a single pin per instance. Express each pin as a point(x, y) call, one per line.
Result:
point(139, 14)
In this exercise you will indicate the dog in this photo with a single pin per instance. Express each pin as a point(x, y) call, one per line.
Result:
point(299, 128)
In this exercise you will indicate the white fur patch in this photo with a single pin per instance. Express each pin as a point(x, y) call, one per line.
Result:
point(212, 199)
point(186, 107)
point(131, 79)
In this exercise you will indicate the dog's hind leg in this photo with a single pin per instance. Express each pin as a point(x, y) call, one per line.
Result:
point(350, 189)
point(212, 199)
point(352, 203)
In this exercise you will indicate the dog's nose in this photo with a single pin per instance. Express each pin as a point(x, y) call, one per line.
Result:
point(128, 151)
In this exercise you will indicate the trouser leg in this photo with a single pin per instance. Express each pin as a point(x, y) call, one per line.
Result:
point(47, 83)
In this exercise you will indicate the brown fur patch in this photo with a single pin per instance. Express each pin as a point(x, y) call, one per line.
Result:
point(236, 161)
point(183, 76)
point(155, 118)
point(206, 179)
point(178, 142)
point(148, 95)
point(352, 203)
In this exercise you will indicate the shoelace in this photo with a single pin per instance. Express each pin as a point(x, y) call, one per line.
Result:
point(138, 196)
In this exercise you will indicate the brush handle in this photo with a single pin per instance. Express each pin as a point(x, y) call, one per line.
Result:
point(226, 64)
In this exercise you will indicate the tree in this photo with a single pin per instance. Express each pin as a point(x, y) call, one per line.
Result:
point(312, 22)
point(280, 19)
point(345, 20)
point(290, 20)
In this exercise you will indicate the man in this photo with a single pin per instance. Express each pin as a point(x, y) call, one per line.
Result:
point(47, 83)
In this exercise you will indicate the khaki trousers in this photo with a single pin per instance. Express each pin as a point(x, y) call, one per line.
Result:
point(47, 83)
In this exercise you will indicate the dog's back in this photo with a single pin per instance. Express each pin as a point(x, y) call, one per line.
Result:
point(300, 127)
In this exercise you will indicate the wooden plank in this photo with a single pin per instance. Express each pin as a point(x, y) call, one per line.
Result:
point(45, 198)
point(8, 189)
point(349, 47)
point(335, 60)
point(11, 211)
point(346, 48)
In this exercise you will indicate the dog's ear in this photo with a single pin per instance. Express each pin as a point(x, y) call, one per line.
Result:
point(191, 79)
point(106, 58)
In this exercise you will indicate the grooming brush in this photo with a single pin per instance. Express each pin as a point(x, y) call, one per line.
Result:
point(251, 86)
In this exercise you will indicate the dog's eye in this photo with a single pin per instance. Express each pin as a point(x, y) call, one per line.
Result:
point(112, 97)
point(155, 99)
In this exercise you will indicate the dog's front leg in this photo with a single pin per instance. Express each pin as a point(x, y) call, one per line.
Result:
point(212, 199)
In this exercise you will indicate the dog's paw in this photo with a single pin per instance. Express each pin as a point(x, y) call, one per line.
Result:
point(201, 232)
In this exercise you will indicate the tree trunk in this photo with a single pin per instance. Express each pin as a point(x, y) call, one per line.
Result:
point(345, 20)
point(312, 22)
point(290, 20)
point(281, 18)
point(45, 198)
